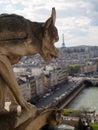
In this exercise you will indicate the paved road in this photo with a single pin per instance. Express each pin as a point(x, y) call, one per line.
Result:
point(51, 98)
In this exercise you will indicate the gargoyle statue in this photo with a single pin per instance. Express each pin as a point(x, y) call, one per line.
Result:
point(21, 37)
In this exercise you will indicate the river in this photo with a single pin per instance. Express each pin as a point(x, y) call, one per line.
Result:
point(87, 98)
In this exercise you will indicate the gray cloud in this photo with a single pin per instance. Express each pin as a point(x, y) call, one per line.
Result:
point(77, 19)
point(93, 11)
point(71, 12)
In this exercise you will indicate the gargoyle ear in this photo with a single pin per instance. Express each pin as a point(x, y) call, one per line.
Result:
point(48, 23)
point(53, 15)
point(51, 20)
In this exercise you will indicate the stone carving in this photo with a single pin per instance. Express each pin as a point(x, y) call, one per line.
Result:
point(21, 37)
point(50, 116)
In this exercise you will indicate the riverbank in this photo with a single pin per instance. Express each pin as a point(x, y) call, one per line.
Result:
point(86, 99)
point(62, 96)
point(55, 96)
point(71, 95)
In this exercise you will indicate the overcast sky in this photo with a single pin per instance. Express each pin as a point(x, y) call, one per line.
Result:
point(77, 19)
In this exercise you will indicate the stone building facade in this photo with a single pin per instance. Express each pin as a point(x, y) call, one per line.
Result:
point(36, 85)
point(89, 67)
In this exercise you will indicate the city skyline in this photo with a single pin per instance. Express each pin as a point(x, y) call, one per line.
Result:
point(76, 19)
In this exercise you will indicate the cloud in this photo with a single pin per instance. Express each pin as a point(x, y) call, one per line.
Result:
point(90, 39)
point(77, 19)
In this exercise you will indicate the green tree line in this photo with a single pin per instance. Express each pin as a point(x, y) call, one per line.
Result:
point(73, 68)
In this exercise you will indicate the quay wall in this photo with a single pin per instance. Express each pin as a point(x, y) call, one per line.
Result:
point(71, 95)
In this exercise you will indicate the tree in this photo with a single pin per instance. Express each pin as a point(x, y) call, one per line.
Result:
point(73, 68)
point(80, 125)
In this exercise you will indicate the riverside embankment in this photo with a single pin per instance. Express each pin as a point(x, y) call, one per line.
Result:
point(70, 95)
point(87, 98)
point(80, 84)
point(76, 89)
point(61, 97)
point(65, 93)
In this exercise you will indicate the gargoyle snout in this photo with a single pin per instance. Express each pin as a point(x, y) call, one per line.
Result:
point(56, 53)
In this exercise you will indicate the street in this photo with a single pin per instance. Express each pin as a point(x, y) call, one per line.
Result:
point(51, 98)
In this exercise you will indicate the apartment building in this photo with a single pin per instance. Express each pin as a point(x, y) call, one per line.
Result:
point(88, 68)
point(62, 75)
point(40, 81)
point(39, 84)
point(24, 88)
point(46, 81)
point(32, 83)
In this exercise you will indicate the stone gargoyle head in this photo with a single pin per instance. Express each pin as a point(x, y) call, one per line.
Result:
point(50, 37)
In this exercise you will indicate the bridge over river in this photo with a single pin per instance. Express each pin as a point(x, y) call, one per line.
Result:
point(88, 81)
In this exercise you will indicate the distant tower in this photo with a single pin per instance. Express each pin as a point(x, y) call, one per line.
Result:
point(63, 43)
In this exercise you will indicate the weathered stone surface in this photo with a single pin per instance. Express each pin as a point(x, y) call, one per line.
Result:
point(21, 37)
point(13, 27)
point(48, 116)
point(51, 116)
